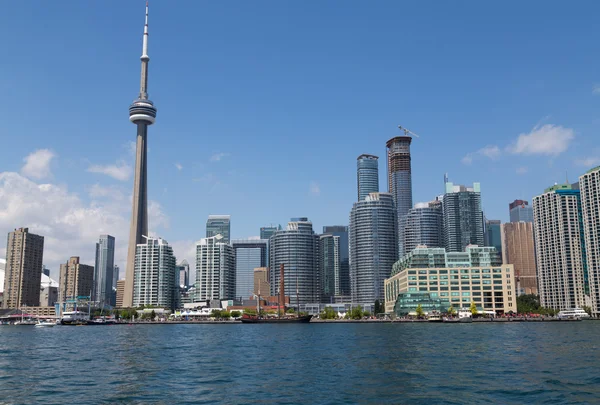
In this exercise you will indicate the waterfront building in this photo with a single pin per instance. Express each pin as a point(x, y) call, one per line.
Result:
point(22, 277)
point(48, 291)
point(493, 234)
point(76, 280)
point(560, 248)
point(261, 282)
point(249, 254)
point(142, 113)
point(423, 225)
point(487, 282)
point(297, 248)
point(373, 246)
point(104, 268)
point(156, 280)
point(183, 269)
point(407, 304)
point(520, 211)
point(2, 272)
point(463, 217)
point(519, 250)
point(215, 269)
point(329, 266)
point(120, 292)
point(219, 225)
point(342, 282)
point(400, 181)
point(589, 185)
point(116, 271)
point(367, 175)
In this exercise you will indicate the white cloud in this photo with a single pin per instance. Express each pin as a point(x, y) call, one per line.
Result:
point(37, 164)
point(521, 170)
point(217, 157)
point(588, 162)
point(548, 139)
point(596, 89)
point(120, 171)
point(314, 188)
point(491, 151)
point(131, 147)
point(179, 166)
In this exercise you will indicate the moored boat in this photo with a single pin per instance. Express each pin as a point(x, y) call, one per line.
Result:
point(295, 319)
point(45, 324)
point(74, 318)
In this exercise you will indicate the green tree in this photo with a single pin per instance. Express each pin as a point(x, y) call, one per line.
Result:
point(473, 308)
point(250, 311)
point(356, 312)
point(290, 311)
point(225, 314)
point(152, 315)
point(367, 314)
point(451, 311)
point(235, 314)
point(378, 307)
point(419, 311)
point(215, 313)
point(328, 313)
point(587, 309)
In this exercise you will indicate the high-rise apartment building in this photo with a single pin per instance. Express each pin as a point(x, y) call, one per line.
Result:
point(219, 225)
point(520, 211)
point(215, 269)
point(463, 217)
point(262, 286)
point(22, 277)
point(104, 268)
point(297, 248)
point(116, 274)
point(249, 254)
point(367, 175)
point(76, 280)
point(156, 280)
point(329, 266)
point(342, 283)
point(519, 250)
point(120, 291)
point(183, 269)
point(142, 113)
point(265, 233)
point(423, 225)
point(373, 246)
point(400, 181)
point(493, 234)
point(589, 185)
point(560, 248)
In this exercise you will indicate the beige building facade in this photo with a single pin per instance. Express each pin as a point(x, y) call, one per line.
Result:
point(22, 279)
point(261, 281)
point(518, 249)
point(120, 292)
point(76, 279)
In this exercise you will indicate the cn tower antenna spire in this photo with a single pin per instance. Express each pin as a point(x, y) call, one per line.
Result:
point(145, 59)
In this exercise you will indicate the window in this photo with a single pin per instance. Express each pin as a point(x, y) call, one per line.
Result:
point(433, 277)
point(466, 294)
point(455, 294)
point(412, 277)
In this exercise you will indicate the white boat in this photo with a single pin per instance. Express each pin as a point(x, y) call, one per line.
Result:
point(573, 313)
point(74, 318)
point(45, 324)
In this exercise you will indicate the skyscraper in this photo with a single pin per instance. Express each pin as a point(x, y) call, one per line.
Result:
point(215, 269)
point(329, 266)
point(519, 250)
point(400, 181)
point(249, 255)
point(367, 175)
point(297, 248)
point(76, 279)
point(342, 285)
point(116, 274)
point(423, 225)
point(520, 211)
point(183, 269)
point(267, 231)
point(142, 113)
point(589, 185)
point(219, 225)
point(156, 281)
point(493, 234)
point(560, 248)
point(103, 271)
point(463, 217)
point(373, 246)
point(23, 274)
point(261, 281)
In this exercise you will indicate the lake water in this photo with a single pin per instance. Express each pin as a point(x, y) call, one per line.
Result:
point(311, 364)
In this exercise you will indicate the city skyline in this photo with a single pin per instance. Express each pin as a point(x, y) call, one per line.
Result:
point(76, 188)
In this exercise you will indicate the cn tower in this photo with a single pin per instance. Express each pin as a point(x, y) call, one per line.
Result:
point(142, 113)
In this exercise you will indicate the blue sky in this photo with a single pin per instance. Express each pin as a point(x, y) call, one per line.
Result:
point(263, 108)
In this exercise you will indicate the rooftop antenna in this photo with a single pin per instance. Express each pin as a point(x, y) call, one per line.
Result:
point(407, 132)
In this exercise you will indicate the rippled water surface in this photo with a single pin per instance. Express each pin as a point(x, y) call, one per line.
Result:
point(310, 364)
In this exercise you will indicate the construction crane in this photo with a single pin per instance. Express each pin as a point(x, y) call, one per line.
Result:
point(407, 132)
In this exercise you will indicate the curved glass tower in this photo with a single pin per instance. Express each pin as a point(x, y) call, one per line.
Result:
point(373, 246)
point(142, 113)
point(423, 225)
point(367, 175)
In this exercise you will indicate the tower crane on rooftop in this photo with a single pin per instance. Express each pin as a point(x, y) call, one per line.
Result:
point(407, 132)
